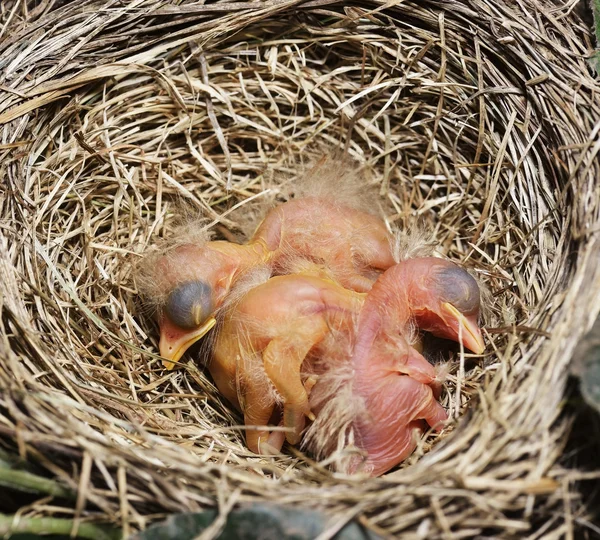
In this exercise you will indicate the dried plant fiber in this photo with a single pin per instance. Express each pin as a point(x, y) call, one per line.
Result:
point(480, 118)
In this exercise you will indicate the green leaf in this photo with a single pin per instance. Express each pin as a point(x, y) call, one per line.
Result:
point(596, 13)
point(595, 61)
point(180, 526)
point(7, 461)
point(255, 522)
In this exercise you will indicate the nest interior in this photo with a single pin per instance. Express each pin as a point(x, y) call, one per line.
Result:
point(478, 117)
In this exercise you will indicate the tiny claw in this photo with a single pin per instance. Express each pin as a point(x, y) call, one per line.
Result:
point(308, 386)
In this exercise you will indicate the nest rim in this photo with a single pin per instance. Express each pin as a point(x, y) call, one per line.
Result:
point(105, 161)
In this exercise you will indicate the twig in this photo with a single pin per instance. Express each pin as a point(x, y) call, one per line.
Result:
point(34, 525)
point(25, 481)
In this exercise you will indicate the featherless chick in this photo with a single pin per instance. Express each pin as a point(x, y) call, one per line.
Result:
point(303, 347)
point(190, 282)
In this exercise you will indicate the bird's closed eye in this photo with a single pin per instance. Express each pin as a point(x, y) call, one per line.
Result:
point(459, 288)
point(190, 304)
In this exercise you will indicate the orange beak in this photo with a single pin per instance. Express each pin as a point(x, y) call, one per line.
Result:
point(466, 327)
point(174, 341)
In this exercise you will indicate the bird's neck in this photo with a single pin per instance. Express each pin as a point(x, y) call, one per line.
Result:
point(243, 256)
point(387, 309)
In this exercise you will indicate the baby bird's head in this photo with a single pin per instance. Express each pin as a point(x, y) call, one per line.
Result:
point(187, 285)
point(446, 302)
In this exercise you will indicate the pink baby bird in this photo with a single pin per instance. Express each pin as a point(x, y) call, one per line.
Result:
point(304, 345)
point(190, 282)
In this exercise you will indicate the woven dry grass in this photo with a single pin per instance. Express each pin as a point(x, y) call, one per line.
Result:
point(479, 117)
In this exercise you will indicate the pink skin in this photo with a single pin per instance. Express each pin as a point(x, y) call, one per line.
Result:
point(267, 336)
point(288, 319)
point(264, 341)
point(417, 289)
point(354, 245)
point(397, 404)
point(218, 264)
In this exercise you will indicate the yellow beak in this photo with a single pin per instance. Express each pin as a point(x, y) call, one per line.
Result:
point(174, 341)
point(471, 334)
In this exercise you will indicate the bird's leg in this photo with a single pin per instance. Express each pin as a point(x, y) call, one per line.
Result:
point(274, 442)
point(356, 282)
point(407, 439)
point(421, 370)
point(258, 407)
point(433, 413)
point(418, 368)
point(347, 271)
point(381, 258)
point(283, 360)
point(269, 230)
point(408, 360)
point(277, 438)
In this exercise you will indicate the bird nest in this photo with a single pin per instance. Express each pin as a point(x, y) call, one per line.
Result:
point(478, 117)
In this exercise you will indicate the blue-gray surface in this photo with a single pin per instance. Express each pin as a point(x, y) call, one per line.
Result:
point(586, 365)
point(255, 522)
